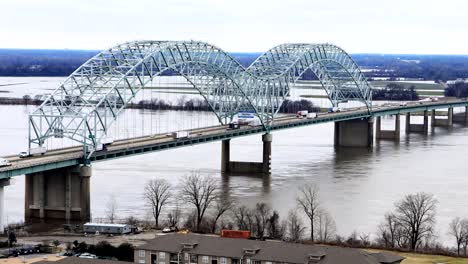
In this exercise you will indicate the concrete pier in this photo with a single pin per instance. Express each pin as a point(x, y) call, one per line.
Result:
point(59, 194)
point(445, 122)
point(418, 128)
point(264, 167)
point(3, 183)
point(387, 134)
point(354, 133)
point(461, 117)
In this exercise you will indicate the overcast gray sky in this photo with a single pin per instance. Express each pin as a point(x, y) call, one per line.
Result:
point(358, 26)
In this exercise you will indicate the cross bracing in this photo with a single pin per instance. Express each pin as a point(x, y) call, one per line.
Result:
point(91, 98)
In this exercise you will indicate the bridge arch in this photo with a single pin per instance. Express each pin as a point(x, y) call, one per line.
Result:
point(91, 98)
point(338, 73)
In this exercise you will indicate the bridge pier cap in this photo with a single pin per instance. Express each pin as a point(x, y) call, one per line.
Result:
point(261, 88)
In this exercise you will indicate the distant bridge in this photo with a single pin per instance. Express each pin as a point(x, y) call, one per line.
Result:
point(90, 100)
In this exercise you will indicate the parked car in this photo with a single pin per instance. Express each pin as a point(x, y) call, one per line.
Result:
point(170, 229)
point(88, 256)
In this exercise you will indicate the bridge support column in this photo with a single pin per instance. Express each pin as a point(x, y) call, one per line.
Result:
point(62, 194)
point(354, 133)
point(418, 128)
point(448, 122)
point(264, 167)
point(3, 183)
point(387, 134)
point(461, 117)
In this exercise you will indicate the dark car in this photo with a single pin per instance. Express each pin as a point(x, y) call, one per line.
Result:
point(234, 125)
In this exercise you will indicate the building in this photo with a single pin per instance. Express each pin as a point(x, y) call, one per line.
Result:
point(202, 249)
point(92, 228)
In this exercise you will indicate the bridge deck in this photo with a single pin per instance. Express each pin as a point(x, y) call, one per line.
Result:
point(60, 158)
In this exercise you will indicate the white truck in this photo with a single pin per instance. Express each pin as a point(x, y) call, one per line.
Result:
point(302, 114)
point(4, 162)
point(32, 152)
point(312, 115)
point(180, 134)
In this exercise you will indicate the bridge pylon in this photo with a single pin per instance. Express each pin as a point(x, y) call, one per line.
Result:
point(60, 194)
point(244, 167)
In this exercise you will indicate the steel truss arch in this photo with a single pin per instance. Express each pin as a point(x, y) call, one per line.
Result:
point(338, 73)
point(85, 105)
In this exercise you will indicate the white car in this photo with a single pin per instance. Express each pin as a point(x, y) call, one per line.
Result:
point(4, 162)
point(88, 256)
point(23, 154)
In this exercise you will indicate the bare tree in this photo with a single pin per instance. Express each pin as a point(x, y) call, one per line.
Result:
point(295, 226)
point(201, 192)
point(111, 209)
point(325, 226)
point(173, 218)
point(157, 195)
point(240, 217)
point(458, 228)
point(416, 215)
point(365, 239)
point(465, 240)
point(309, 204)
point(221, 207)
point(389, 231)
point(276, 229)
point(262, 215)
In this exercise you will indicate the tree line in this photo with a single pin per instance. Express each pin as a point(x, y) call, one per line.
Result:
point(15, 62)
point(410, 226)
point(458, 89)
point(394, 91)
point(195, 104)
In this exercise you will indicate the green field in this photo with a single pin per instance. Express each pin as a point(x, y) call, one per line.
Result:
point(417, 86)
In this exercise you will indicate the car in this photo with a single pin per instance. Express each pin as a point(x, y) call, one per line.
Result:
point(88, 256)
point(166, 230)
point(234, 125)
point(23, 154)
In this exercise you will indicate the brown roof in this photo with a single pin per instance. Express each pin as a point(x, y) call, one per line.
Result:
point(76, 260)
point(274, 251)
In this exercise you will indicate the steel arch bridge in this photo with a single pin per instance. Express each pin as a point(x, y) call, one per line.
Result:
point(91, 98)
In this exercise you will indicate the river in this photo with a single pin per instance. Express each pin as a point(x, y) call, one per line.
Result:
point(357, 186)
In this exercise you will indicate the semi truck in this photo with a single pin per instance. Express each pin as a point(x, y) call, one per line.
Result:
point(302, 114)
point(32, 152)
point(4, 162)
point(180, 134)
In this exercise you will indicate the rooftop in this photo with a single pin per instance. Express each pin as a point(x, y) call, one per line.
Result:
point(273, 251)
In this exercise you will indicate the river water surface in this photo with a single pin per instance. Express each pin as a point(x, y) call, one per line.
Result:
point(357, 186)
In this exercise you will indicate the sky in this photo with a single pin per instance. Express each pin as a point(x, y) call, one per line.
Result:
point(358, 26)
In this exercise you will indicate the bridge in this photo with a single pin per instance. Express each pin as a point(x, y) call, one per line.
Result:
point(86, 105)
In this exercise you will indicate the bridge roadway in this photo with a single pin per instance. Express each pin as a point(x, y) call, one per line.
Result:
point(66, 157)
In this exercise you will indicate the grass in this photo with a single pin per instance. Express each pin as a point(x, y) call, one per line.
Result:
point(429, 93)
point(412, 258)
point(415, 258)
point(417, 86)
